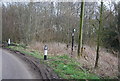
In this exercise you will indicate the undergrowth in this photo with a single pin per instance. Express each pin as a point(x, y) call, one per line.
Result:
point(64, 66)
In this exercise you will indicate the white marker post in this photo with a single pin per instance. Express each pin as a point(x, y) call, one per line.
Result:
point(8, 42)
point(45, 52)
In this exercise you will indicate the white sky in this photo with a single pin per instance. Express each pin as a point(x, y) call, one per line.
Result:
point(57, 0)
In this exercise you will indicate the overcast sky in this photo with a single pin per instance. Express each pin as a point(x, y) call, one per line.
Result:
point(57, 0)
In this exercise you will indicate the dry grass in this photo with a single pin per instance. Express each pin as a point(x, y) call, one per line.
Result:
point(108, 64)
point(53, 48)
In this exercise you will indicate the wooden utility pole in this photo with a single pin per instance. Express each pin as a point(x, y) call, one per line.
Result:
point(99, 32)
point(81, 28)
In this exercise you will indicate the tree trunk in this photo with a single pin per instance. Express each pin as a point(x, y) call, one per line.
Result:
point(81, 27)
point(98, 38)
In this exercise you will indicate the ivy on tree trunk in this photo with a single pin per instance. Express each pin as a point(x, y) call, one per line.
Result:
point(81, 28)
point(98, 38)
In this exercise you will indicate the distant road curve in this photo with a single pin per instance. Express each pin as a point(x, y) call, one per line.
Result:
point(13, 67)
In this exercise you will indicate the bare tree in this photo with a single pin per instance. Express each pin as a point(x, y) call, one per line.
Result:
point(98, 38)
point(81, 28)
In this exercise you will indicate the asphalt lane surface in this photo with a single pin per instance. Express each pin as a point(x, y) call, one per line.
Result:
point(13, 67)
point(0, 64)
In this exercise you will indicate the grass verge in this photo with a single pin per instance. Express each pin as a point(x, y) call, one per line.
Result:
point(64, 66)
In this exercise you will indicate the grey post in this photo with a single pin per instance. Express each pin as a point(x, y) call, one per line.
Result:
point(73, 31)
